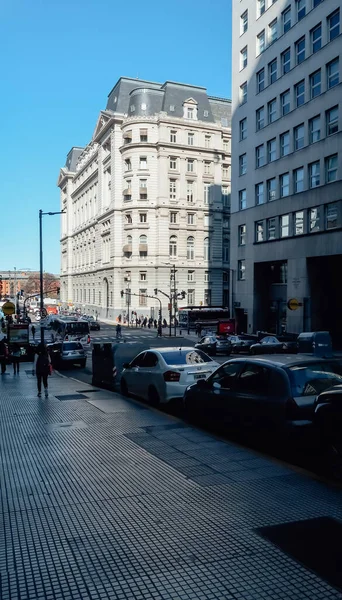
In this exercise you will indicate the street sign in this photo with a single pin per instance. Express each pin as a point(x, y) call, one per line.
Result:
point(294, 304)
point(8, 308)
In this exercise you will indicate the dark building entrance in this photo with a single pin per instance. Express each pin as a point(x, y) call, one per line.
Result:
point(270, 294)
point(324, 275)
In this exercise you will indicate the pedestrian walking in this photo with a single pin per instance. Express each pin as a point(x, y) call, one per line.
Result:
point(3, 354)
point(118, 331)
point(43, 370)
point(15, 356)
point(159, 330)
point(33, 331)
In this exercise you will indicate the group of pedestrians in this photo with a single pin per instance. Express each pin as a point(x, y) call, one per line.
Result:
point(42, 364)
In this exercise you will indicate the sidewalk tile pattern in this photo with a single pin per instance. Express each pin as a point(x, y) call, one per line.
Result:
point(128, 504)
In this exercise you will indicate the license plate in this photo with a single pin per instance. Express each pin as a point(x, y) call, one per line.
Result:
point(199, 376)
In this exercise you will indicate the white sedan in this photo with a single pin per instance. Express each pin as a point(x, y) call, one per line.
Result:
point(163, 374)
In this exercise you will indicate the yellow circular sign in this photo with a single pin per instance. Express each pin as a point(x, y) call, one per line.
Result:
point(294, 304)
point(8, 308)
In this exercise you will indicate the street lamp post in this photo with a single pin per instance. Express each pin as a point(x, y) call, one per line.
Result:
point(41, 289)
point(128, 296)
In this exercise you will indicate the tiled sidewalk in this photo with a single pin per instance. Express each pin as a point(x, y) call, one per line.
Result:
point(104, 498)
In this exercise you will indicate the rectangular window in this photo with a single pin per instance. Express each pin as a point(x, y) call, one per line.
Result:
point(243, 93)
point(190, 139)
point(333, 25)
point(272, 71)
point(300, 93)
point(284, 181)
point(226, 142)
point(173, 163)
point(261, 42)
point(272, 150)
point(191, 297)
point(190, 191)
point(207, 167)
point(298, 134)
point(143, 135)
point(260, 79)
point(331, 119)
point(225, 196)
point(298, 222)
point(206, 221)
point(315, 84)
point(225, 171)
point(242, 199)
point(190, 113)
point(206, 192)
point(173, 136)
point(244, 22)
point(206, 276)
point(314, 129)
point(259, 193)
point(286, 17)
point(173, 189)
point(333, 74)
point(285, 144)
point(314, 174)
point(331, 215)
point(259, 156)
point(142, 297)
point(173, 217)
point(143, 184)
point(298, 180)
point(191, 219)
point(143, 217)
point(271, 189)
point(243, 164)
point(207, 141)
point(143, 162)
point(243, 131)
point(191, 275)
point(284, 226)
point(259, 231)
point(285, 102)
point(272, 110)
point(128, 164)
point(286, 61)
point(143, 276)
point(241, 270)
point(260, 118)
point(260, 7)
point(190, 164)
point(314, 220)
point(331, 168)
point(242, 235)
point(316, 38)
point(243, 58)
point(272, 31)
point(301, 9)
point(300, 50)
point(271, 229)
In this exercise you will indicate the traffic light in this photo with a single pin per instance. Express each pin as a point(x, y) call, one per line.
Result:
point(155, 291)
point(122, 293)
point(182, 294)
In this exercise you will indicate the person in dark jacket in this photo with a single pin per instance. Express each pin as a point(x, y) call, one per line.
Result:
point(42, 370)
point(15, 356)
point(3, 354)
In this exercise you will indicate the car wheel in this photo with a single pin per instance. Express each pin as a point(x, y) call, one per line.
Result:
point(124, 388)
point(153, 396)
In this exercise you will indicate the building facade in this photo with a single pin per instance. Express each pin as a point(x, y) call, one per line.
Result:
point(286, 222)
point(149, 194)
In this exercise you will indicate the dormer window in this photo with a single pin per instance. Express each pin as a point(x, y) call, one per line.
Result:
point(190, 109)
point(190, 113)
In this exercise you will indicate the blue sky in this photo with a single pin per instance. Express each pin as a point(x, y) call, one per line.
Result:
point(59, 62)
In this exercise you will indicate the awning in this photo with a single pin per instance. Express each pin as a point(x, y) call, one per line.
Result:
point(127, 135)
point(143, 247)
point(127, 248)
point(127, 192)
point(143, 131)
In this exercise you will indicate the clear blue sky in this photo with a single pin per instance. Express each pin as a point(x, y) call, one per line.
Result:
point(60, 60)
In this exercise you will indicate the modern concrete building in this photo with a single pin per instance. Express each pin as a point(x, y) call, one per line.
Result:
point(286, 221)
point(150, 192)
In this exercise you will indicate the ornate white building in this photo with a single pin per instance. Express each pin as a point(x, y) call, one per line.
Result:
point(151, 191)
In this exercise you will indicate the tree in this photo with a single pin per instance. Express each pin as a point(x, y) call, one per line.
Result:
point(50, 282)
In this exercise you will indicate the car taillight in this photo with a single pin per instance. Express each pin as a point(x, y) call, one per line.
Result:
point(291, 409)
point(171, 376)
point(88, 340)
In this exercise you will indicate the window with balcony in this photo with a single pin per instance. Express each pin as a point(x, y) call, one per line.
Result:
point(127, 249)
point(243, 58)
point(259, 156)
point(173, 246)
point(190, 165)
point(271, 229)
point(333, 25)
point(242, 235)
point(316, 38)
point(315, 84)
point(331, 119)
point(242, 199)
point(207, 167)
point(314, 174)
point(259, 193)
point(143, 217)
point(298, 134)
point(285, 102)
point(272, 110)
point(286, 19)
point(173, 163)
point(243, 164)
point(128, 164)
point(298, 222)
point(143, 246)
point(190, 248)
point(143, 189)
point(172, 189)
point(298, 180)
point(300, 93)
point(333, 73)
point(286, 61)
point(284, 182)
point(260, 80)
point(259, 231)
point(284, 226)
point(314, 129)
point(128, 219)
point(271, 150)
point(285, 144)
point(243, 131)
point(271, 189)
point(241, 270)
point(331, 215)
point(331, 168)
point(190, 192)
point(260, 118)
point(272, 71)
point(300, 50)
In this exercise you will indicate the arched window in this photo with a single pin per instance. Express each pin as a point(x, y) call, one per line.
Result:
point(190, 248)
point(129, 239)
point(206, 249)
point(173, 246)
point(143, 246)
point(127, 249)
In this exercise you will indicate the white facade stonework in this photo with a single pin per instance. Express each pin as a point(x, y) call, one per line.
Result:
point(151, 190)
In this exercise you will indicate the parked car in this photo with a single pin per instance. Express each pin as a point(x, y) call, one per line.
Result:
point(212, 345)
point(67, 353)
point(163, 374)
point(328, 423)
point(240, 344)
point(268, 345)
point(94, 325)
point(268, 394)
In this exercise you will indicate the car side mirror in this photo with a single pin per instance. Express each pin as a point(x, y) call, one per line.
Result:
point(126, 366)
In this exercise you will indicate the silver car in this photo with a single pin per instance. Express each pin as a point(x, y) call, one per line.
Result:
point(67, 353)
point(163, 374)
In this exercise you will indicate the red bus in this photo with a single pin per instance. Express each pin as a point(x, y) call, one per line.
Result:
point(206, 316)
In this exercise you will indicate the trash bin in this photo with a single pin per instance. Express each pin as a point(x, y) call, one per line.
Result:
point(315, 342)
point(108, 359)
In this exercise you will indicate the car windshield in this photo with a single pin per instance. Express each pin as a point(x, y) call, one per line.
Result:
point(72, 346)
point(185, 357)
point(312, 379)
